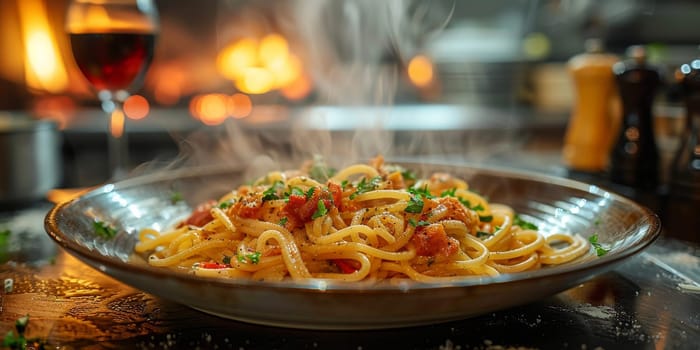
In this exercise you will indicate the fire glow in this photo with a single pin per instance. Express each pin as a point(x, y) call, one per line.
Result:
point(213, 109)
point(258, 67)
point(44, 68)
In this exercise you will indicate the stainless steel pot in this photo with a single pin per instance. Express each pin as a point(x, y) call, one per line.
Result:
point(30, 159)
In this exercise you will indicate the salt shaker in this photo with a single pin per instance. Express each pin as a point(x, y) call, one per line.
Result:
point(634, 159)
point(588, 135)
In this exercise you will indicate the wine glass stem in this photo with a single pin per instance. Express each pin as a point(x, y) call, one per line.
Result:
point(118, 143)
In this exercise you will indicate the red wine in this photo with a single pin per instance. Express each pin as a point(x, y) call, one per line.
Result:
point(112, 61)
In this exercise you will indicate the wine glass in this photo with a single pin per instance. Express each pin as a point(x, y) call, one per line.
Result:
point(112, 43)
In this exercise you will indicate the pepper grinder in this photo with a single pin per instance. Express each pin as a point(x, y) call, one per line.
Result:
point(588, 134)
point(682, 212)
point(634, 159)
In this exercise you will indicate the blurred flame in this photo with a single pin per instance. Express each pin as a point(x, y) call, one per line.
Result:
point(240, 106)
point(169, 81)
point(213, 109)
point(420, 70)
point(260, 67)
point(235, 58)
point(116, 125)
point(44, 67)
point(298, 89)
point(287, 71)
point(256, 81)
point(210, 109)
point(273, 50)
point(136, 107)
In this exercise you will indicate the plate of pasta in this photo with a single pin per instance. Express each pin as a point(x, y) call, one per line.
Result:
point(369, 245)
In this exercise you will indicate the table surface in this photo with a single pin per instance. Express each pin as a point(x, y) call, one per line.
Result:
point(651, 301)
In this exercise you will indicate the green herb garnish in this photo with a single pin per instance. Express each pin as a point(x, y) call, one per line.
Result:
point(599, 250)
point(227, 204)
point(19, 341)
point(415, 205)
point(486, 218)
point(419, 223)
point(477, 207)
point(320, 210)
point(252, 258)
point(283, 221)
point(449, 193)
point(296, 191)
point(176, 196)
point(482, 234)
point(408, 175)
point(518, 221)
point(423, 191)
point(464, 202)
point(4, 239)
point(271, 193)
point(104, 230)
point(365, 186)
point(310, 193)
point(226, 260)
point(320, 171)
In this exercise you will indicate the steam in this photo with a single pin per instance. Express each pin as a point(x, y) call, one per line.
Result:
point(355, 51)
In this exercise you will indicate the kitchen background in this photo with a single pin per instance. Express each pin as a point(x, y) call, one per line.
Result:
point(478, 81)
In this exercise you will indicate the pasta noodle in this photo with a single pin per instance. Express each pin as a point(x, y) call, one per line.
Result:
point(366, 222)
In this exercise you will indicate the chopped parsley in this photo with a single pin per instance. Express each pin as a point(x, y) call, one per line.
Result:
point(104, 230)
point(320, 210)
point(4, 238)
point(19, 340)
point(408, 175)
point(320, 171)
point(365, 186)
point(226, 260)
point(468, 204)
point(310, 193)
point(415, 204)
point(452, 192)
point(599, 250)
point(176, 196)
point(344, 184)
point(518, 221)
point(486, 218)
point(252, 258)
point(271, 193)
point(283, 221)
point(296, 191)
point(423, 191)
point(225, 205)
point(448, 193)
point(482, 234)
point(419, 223)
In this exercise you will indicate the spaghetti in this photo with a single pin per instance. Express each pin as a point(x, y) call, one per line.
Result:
point(366, 222)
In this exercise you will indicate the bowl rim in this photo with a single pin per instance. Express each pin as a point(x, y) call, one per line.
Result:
point(650, 226)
